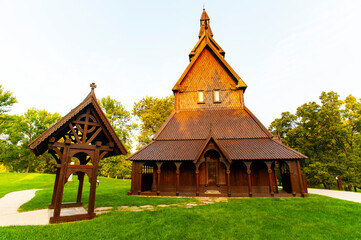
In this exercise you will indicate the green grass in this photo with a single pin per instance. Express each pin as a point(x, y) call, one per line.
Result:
point(110, 192)
point(11, 182)
point(316, 217)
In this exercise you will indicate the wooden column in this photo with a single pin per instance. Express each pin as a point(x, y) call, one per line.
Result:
point(159, 165)
point(248, 164)
point(275, 178)
point(300, 179)
point(197, 184)
point(93, 182)
point(177, 164)
point(206, 173)
point(154, 184)
point(62, 179)
point(80, 187)
point(292, 179)
point(55, 187)
point(269, 164)
point(228, 181)
point(140, 177)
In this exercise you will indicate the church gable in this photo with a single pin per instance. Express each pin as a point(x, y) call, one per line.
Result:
point(208, 74)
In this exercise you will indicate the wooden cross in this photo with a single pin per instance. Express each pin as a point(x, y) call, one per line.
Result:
point(93, 86)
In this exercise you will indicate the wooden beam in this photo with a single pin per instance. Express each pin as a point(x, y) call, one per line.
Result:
point(74, 133)
point(94, 135)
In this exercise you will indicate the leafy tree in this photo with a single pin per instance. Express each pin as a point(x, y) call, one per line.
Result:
point(152, 112)
point(6, 100)
point(329, 134)
point(22, 130)
point(120, 119)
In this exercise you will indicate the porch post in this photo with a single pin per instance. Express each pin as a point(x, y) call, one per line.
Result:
point(197, 186)
point(159, 165)
point(206, 173)
point(228, 181)
point(140, 177)
point(154, 184)
point(300, 178)
point(248, 164)
point(275, 177)
point(292, 179)
point(177, 164)
point(270, 178)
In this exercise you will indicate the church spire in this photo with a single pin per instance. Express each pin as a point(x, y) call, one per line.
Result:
point(205, 27)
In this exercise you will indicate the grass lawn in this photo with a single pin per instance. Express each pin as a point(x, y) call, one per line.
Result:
point(315, 217)
point(110, 192)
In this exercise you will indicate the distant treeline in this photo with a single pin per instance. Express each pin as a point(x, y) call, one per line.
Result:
point(328, 133)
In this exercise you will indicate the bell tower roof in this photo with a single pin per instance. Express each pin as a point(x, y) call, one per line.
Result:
point(205, 27)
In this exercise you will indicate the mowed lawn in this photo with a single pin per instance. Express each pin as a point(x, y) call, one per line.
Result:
point(315, 217)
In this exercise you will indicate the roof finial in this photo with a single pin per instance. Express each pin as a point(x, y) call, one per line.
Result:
point(93, 86)
point(204, 8)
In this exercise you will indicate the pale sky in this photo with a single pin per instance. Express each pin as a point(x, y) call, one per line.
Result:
point(287, 52)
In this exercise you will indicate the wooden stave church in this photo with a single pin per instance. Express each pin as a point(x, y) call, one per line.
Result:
point(212, 144)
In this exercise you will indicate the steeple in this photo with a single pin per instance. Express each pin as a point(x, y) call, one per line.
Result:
point(205, 27)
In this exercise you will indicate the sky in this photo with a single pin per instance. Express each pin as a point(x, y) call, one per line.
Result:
point(287, 52)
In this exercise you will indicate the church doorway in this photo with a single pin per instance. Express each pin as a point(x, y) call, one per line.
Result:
point(214, 168)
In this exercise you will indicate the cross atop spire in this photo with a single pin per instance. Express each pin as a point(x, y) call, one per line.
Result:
point(205, 27)
point(93, 86)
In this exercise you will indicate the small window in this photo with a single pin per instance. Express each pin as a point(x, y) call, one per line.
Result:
point(200, 96)
point(216, 96)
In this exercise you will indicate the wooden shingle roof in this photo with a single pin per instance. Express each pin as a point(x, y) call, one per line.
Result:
point(208, 42)
point(237, 149)
point(40, 144)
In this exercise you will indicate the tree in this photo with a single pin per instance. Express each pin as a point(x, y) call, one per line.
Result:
point(120, 119)
point(22, 130)
point(6, 100)
point(152, 112)
point(329, 135)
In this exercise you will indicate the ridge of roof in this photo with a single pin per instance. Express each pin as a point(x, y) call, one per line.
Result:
point(240, 82)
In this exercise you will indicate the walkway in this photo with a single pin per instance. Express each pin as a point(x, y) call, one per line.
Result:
point(344, 195)
point(9, 214)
